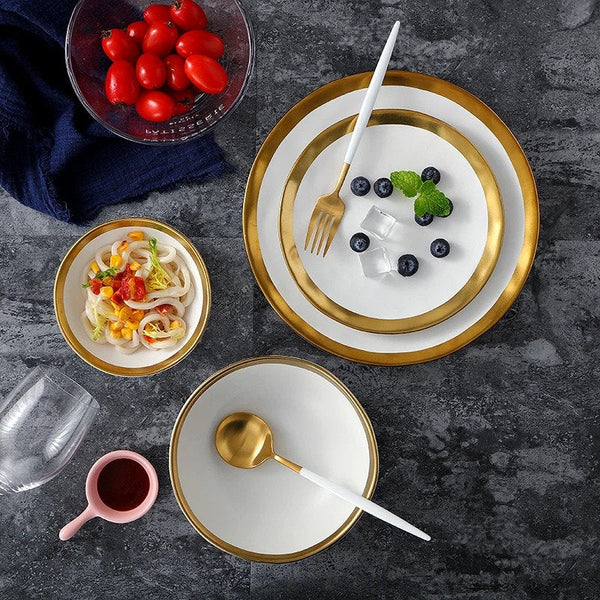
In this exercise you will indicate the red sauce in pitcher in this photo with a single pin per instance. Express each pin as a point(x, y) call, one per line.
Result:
point(123, 484)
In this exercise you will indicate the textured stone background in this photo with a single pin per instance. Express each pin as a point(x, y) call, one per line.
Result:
point(494, 450)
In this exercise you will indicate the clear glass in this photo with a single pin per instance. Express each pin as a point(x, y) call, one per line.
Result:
point(42, 422)
point(375, 262)
point(87, 66)
point(379, 223)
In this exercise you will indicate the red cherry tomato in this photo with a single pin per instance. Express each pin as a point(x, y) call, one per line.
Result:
point(155, 106)
point(184, 100)
point(200, 42)
point(136, 31)
point(160, 39)
point(187, 15)
point(206, 73)
point(133, 288)
point(95, 285)
point(121, 85)
point(151, 71)
point(156, 13)
point(117, 298)
point(117, 45)
point(176, 77)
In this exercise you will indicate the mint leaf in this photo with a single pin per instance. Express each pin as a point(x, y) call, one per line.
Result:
point(421, 206)
point(439, 205)
point(408, 181)
point(432, 201)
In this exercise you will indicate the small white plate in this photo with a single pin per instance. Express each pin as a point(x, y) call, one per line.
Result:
point(269, 513)
point(69, 300)
point(394, 140)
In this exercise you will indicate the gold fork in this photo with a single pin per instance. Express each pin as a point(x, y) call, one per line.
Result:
point(329, 209)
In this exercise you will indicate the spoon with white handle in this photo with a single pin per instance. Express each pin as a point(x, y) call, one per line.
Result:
point(244, 440)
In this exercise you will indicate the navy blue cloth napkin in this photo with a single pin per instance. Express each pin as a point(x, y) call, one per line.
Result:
point(53, 156)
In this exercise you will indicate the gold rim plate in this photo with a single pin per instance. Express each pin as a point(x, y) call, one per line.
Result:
point(241, 552)
point(472, 286)
point(59, 295)
point(477, 108)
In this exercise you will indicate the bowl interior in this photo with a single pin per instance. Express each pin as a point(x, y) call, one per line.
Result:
point(87, 66)
point(71, 302)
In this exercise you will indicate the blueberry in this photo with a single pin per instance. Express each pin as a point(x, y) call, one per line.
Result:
point(431, 173)
point(451, 209)
point(383, 187)
point(426, 219)
point(440, 248)
point(360, 186)
point(359, 242)
point(408, 265)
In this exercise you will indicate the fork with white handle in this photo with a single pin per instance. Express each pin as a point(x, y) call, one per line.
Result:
point(329, 209)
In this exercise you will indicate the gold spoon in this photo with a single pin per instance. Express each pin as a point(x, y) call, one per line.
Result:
point(244, 440)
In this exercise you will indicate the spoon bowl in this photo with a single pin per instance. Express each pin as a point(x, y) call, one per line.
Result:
point(244, 440)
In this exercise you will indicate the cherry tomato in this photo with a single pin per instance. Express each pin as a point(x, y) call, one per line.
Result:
point(200, 42)
point(121, 85)
point(151, 71)
point(132, 288)
point(117, 298)
point(176, 77)
point(184, 100)
point(156, 13)
point(95, 285)
point(163, 309)
point(187, 15)
point(155, 106)
point(160, 39)
point(136, 31)
point(206, 73)
point(117, 45)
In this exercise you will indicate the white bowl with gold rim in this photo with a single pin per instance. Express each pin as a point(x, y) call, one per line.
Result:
point(270, 514)
point(69, 300)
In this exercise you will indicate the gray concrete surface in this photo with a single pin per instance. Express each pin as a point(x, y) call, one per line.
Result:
point(494, 450)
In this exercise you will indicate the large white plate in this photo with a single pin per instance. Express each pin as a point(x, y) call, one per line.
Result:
point(269, 513)
point(420, 93)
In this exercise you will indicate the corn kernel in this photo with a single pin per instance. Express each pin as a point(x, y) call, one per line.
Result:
point(136, 235)
point(133, 325)
point(122, 246)
point(175, 324)
point(126, 333)
point(116, 326)
point(115, 334)
point(94, 267)
point(137, 315)
point(125, 313)
point(135, 266)
point(116, 261)
point(106, 291)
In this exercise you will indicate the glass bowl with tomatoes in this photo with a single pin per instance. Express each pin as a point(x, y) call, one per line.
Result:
point(159, 73)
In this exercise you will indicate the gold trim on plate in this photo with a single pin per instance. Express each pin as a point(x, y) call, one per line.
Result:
point(59, 294)
point(241, 552)
point(472, 286)
point(437, 86)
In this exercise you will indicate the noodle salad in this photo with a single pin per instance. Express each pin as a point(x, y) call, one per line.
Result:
point(137, 291)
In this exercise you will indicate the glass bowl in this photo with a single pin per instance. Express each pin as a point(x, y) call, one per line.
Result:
point(87, 66)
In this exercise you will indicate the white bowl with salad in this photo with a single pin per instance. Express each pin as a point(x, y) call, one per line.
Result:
point(132, 297)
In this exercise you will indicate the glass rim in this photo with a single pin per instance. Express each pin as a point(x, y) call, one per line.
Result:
point(58, 378)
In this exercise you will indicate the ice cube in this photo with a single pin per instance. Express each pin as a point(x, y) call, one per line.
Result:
point(375, 262)
point(378, 222)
